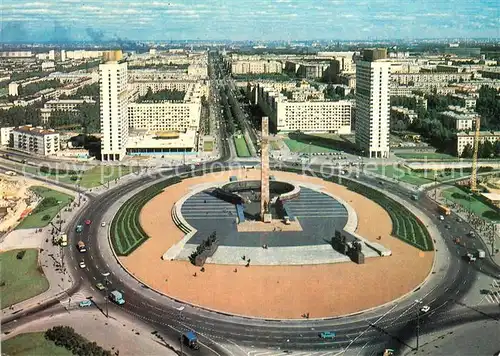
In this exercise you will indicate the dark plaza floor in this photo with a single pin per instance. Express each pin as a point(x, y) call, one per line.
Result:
point(319, 215)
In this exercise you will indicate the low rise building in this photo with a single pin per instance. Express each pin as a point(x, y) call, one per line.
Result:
point(401, 115)
point(466, 101)
point(256, 67)
point(36, 140)
point(5, 135)
point(69, 105)
point(143, 142)
point(467, 138)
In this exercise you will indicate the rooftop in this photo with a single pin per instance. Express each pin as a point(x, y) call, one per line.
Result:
point(38, 131)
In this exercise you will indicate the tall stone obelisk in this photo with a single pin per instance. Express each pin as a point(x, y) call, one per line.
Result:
point(264, 184)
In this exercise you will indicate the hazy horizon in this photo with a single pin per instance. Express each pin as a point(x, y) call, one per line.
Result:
point(258, 20)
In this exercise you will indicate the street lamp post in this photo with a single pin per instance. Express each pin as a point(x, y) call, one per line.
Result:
point(105, 275)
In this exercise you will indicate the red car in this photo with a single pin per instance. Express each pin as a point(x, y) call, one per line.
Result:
point(88, 222)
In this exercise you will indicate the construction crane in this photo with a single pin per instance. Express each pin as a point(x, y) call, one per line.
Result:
point(473, 176)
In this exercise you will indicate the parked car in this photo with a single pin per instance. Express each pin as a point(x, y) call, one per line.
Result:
point(88, 222)
point(85, 303)
point(100, 286)
point(327, 335)
point(82, 264)
point(103, 224)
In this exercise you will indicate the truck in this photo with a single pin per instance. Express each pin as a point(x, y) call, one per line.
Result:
point(414, 197)
point(79, 228)
point(470, 257)
point(81, 246)
point(61, 240)
point(444, 210)
point(117, 297)
point(190, 340)
point(480, 253)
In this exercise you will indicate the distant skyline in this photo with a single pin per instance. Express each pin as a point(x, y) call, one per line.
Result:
point(258, 20)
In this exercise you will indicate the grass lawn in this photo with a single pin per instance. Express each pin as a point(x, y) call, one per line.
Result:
point(90, 178)
point(426, 155)
point(32, 344)
point(297, 146)
point(208, 146)
point(101, 174)
point(241, 147)
point(402, 174)
point(22, 278)
point(409, 176)
point(35, 219)
point(479, 208)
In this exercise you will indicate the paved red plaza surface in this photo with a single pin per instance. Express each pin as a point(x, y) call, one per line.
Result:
point(278, 291)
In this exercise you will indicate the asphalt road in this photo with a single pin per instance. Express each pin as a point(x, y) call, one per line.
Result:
point(395, 328)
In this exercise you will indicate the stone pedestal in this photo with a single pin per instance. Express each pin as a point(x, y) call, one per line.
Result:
point(267, 218)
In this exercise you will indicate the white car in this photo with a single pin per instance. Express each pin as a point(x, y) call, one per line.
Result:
point(82, 264)
point(103, 224)
point(425, 309)
point(441, 217)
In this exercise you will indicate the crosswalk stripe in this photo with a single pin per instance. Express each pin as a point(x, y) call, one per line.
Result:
point(489, 298)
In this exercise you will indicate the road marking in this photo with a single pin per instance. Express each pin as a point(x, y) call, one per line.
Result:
point(81, 277)
point(92, 257)
point(94, 278)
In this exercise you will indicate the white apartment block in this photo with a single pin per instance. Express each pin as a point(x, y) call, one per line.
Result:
point(305, 116)
point(429, 79)
point(5, 135)
point(256, 67)
point(165, 116)
point(467, 138)
point(373, 104)
point(468, 102)
point(114, 116)
point(35, 140)
point(61, 105)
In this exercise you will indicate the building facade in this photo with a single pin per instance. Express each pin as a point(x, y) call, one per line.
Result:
point(306, 116)
point(35, 140)
point(373, 104)
point(256, 67)
point(164, 116)
point(467, 138)
point(114, 100)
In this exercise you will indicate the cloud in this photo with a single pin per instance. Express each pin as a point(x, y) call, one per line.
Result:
point(256, 19)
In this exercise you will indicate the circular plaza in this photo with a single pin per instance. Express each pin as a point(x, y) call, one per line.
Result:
point(284, 268)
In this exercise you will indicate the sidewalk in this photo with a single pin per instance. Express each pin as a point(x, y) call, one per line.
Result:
point(49, 258)
point(129, 337)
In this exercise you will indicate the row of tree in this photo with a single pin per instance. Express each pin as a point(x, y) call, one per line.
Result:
point(166, 94)
point(228, 116)
point(66, 337)
point(20, 115)
point(485, 149)
point(91, 90)
point(33, 88)
point(440, 132)
point(87, 118)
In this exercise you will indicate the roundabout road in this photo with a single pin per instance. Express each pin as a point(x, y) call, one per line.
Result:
point(389, 326)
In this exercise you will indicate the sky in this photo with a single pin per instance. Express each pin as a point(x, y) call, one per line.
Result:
point(259, 20)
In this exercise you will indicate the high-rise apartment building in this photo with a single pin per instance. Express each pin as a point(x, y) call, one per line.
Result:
point(114, 100)
point(373, 103)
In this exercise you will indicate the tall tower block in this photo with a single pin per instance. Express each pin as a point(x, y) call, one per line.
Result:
point(264, 150)
point(114, 100)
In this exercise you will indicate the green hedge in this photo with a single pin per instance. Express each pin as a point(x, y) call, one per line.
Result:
point(126, 231)
point(405, 226)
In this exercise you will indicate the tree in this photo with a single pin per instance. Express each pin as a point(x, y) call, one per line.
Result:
point(467, 152)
